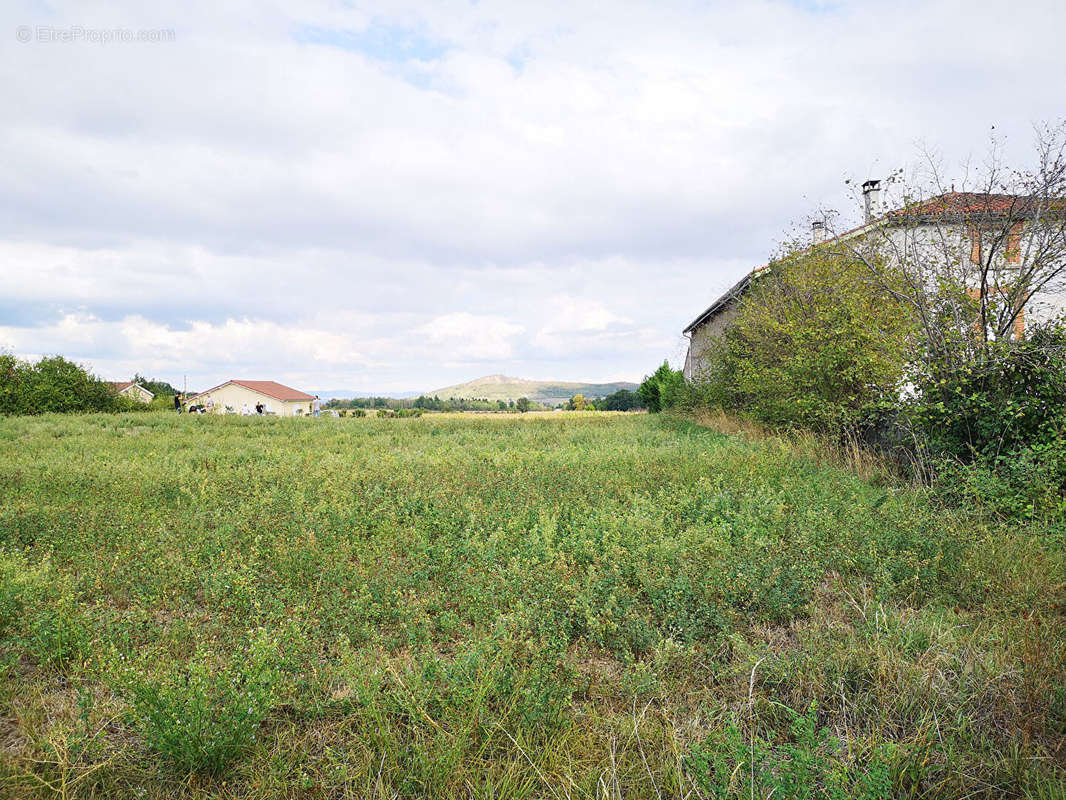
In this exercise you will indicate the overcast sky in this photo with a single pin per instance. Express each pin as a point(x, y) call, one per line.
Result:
point(400, 195)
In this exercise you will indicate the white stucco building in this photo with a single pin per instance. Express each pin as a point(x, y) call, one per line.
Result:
point(233, 395)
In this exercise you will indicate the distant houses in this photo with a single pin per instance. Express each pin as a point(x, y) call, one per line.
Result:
point(233, 395)
point(134, 391)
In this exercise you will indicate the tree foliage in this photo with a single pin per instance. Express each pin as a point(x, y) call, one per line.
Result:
point(815, 343)
point(992, 408)
point(54, 384)
point(577, 403)
point(662, 389)
point(972, 257)
point(622, 400)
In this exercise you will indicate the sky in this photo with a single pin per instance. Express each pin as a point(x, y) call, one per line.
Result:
point(398, 196)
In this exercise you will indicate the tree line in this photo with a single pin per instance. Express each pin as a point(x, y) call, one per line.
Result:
point(55, 384)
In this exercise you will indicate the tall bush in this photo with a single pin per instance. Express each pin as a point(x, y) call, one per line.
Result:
point(1012, 398)
point(815, 344)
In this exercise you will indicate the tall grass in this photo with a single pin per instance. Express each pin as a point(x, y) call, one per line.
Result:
point(561, 606)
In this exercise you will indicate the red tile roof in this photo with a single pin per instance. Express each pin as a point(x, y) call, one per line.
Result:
point(269, 388)
point(971, 203)
point(118, 386)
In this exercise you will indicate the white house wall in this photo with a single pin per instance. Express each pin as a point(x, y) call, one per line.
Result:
point(235, 396)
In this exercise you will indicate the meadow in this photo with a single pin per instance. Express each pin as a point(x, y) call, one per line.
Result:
point(566, 606)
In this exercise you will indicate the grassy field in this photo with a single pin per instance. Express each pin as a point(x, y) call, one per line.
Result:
point(504, 607)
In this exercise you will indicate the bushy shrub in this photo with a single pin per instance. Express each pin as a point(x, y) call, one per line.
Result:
point(815, 344)
point(1010, 399)
point(1027, 483)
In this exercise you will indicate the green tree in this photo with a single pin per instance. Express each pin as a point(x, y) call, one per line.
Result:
point(523, 404)
point(622, 400)
point(662, 389)
point(155, 386)
point(816, 343)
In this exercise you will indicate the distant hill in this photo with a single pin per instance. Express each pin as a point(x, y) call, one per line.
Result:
point(502, 387)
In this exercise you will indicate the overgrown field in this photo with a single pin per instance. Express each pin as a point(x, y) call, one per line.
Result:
point(562, 606)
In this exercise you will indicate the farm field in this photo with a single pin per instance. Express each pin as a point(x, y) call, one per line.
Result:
point(567, 606)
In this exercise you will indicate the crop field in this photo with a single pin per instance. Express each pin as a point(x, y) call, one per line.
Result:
point(563, 606)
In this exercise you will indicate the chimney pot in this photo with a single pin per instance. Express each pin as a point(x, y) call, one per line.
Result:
point(871, 195)
point(818, 231)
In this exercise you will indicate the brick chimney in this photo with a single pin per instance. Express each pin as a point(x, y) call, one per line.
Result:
point(817, 231)
point(871, 195)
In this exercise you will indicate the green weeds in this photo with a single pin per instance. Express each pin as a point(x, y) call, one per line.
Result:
point(205, 713)
point(514, 606)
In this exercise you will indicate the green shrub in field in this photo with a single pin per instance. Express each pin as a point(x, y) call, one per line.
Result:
point(359, 412)
point(204, 715)
point(1011, 398)
point(57, 633)
point(1027, 483)
point(811, 764)
point(996, 426)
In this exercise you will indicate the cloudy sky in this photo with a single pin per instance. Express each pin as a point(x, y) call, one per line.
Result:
point(401, 195)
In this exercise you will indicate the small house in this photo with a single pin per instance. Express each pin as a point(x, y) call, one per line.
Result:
point(132, 390)
point(233, 395)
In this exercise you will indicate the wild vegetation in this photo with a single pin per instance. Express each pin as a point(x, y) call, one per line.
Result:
point(911, 339)
point(568, 605)
point(55, 384)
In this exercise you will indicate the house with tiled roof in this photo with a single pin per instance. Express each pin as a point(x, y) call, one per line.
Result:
point(132, 390)
point(235, 395)
point(959, 226)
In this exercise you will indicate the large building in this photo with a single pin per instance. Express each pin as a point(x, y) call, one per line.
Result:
point(233, 395)
point(980, 232)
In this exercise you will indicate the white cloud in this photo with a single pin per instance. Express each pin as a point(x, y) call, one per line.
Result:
point(467, 337)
